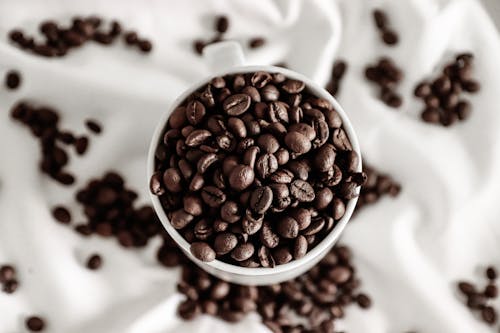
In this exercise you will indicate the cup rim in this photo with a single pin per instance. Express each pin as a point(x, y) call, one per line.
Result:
point(217, 264)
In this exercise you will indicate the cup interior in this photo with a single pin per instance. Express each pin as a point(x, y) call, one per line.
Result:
point(229, 269)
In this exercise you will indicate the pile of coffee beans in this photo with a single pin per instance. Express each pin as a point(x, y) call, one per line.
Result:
point(309, 303)
point(377, 185)
point(12, 79)
point(43, 122)
point(8, 279)
point(481, 300)
point(443, 96)
point(35, 324)
point(59, 39)
point(220, 27)
point(109, 210)
point(388, 35)
point(338, 72)
point(386, 75)
point(254, 170)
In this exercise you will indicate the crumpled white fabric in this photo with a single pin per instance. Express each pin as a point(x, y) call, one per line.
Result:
point(409, 251)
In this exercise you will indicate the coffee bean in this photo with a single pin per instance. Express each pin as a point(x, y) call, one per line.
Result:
point(205, 162)
point(225, 243)
point(229, 212)
point(278, 112)
point(172, 180)
point(256, 42)
point(282, 176)
point(380, 18)
point(213, 196)
point(466, 288)
point(302, 191)
point(260, 79)
point(7, 273)
point(241, 177)
point(491, 291)
point(237, 127)
point(81, 145)
point(303, 129)
point(250, 156)
point(266, 165)
point(489, 315)
point(221, 24)
point(270, 93)
point(288, 227)
point(390, 37)
point(94, 262)
point(197, 137)
point(193, 205)
point(242, 251)
point(340, 140)
point(491, 273)
point(261, 199)
point(202, 251)
point(340, 274)
point(268, 143)
point(237, 104)
point(282, 255)
point(35, 324)
point(251, 225)
point(323, 198)
point(325, 158)
point(61, 214)
point(12, 80)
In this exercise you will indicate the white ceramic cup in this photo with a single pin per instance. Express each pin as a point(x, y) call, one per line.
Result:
point(227, 58)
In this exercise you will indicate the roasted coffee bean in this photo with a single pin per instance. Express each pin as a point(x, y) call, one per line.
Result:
point(323, 198)
point(282, 176)
point(237, 127)
point(268, 143)
point(12, 80)
point(221, 24)
point(278, 112)
point(225, 243)
point(251, 225)
point(297, 142)
point(302, 191)
point(250, 156)
point(268, 237)
point(193, 205)
point(293, 86)
point(340, 140)
point(205, 162)
point(491, 273)
point(213, 196)
point(325, 158)
point(94, 262)
point(203, 230)
point(237, 104)
point(197, 137)
point(229, 212)
point(300, 247)
point(303, 129)
point(295, 115)
point(202, 251)
point(266, 165)
point(180, 219)
point(340, 274)
point(282, 156)
point(261, 199)
point(195, 112)
point(172, 179)
point(241, 177)
point(270, 93)
point(260, 79)
point(322, 132)
point(61, 214)
point(35, 324)
point(282, 255)
point(243, 251)
point(256, 42)
point(489, 315)
point(288, 227)
point(7, 273)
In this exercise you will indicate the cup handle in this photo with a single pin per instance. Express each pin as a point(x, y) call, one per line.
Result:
point(222, 56)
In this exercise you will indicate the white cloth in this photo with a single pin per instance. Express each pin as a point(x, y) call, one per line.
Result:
point(409, 251)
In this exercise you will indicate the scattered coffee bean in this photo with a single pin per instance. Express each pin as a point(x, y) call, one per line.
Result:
point(389, 36)
point(255, 161)
point(481, 302)
point(256, 42)
point(93, 126)
point(94, 262)
point(443, 97)
point(61, 214)
point(338, 71)
point(12, 80)
point(386, 75)
point(44, 125)
point(8, 281)
point(35, 324)
point(59, 40)
point(221, 24)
